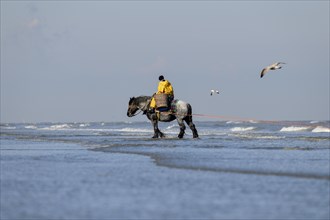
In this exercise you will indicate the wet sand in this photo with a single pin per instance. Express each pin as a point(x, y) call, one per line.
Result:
point(48, 180)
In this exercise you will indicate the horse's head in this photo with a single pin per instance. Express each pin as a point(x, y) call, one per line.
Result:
point(132, 107)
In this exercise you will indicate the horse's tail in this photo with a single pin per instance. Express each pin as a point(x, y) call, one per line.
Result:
point(189, 113)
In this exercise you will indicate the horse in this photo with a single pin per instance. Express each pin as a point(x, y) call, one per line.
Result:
point(182, 112)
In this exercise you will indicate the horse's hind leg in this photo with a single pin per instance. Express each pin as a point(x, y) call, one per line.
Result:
point(190, 123)
point(182, 127)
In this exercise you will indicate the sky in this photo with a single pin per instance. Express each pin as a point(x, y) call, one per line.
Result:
point(81, 61)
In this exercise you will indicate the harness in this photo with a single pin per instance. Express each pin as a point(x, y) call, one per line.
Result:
point(143, 109)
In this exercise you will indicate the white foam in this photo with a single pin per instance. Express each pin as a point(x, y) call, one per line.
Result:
point(294, 128)
point(233, 122)
point(253, 122)
point(256, 136)
point(133, 130)
point(31, 127)
point(171, 126)
point(321, 129)
point(9, 127)
point(212, 132)
point(57, 127)
point(270, 137)
point(240, 129)
point(84, 125)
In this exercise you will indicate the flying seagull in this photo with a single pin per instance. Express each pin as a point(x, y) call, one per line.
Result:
point(274, 66)
point(214, 91)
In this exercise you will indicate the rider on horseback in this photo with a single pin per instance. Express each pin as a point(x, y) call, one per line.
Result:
point(164, 87)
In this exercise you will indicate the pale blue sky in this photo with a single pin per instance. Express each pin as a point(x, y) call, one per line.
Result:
point(82, 60)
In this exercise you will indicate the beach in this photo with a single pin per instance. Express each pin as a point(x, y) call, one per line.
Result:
point(86, 172)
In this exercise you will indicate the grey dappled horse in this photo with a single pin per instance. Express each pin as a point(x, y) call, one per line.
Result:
point(183, 112)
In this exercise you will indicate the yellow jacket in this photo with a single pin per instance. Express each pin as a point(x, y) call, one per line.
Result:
point(165, 87)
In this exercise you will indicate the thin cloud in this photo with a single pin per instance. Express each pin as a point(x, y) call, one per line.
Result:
point(33, 23)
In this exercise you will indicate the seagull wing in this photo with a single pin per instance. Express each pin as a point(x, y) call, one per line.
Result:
point(273, 66)
point(263, 72)
point(277, 65)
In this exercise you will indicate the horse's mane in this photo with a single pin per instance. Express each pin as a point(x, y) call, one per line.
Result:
point(143, 97)
point(140, 99)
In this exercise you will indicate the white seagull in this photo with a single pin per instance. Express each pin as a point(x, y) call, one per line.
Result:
point(274, 66)
point(214, 91)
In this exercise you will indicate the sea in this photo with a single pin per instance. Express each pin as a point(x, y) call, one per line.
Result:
point(115, 170)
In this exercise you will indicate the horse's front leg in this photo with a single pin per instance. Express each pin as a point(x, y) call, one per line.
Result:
point(157, 132)
point(182, 127)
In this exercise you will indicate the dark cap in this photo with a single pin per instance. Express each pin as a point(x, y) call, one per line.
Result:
point(161, 77)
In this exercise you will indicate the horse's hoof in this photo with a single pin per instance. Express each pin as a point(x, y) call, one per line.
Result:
point(155, 136)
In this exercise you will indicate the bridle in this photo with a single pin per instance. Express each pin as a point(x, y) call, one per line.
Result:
point(136, 113)
point(141, 109)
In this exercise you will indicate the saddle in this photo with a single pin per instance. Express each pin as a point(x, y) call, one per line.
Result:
point(169, 109)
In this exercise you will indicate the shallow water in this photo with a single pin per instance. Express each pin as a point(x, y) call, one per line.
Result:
point(237, 170)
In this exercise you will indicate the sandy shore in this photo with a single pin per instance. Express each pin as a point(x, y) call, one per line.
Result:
point(46, 180)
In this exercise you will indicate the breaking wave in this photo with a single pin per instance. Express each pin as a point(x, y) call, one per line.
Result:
point(240, 129)
point(233, 122)
point(82, 125)
point(133, 130)
point(294, 129)
point(57, 127)
point(258, 136)
point(320, 129)
point(31, 127)
point(8, 127)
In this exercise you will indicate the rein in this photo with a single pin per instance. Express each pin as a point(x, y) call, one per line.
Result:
point(140, 109)
point(137, 112)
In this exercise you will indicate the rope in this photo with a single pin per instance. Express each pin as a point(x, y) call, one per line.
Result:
point(216, 116)
point(232, 118)
point(240, 119)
